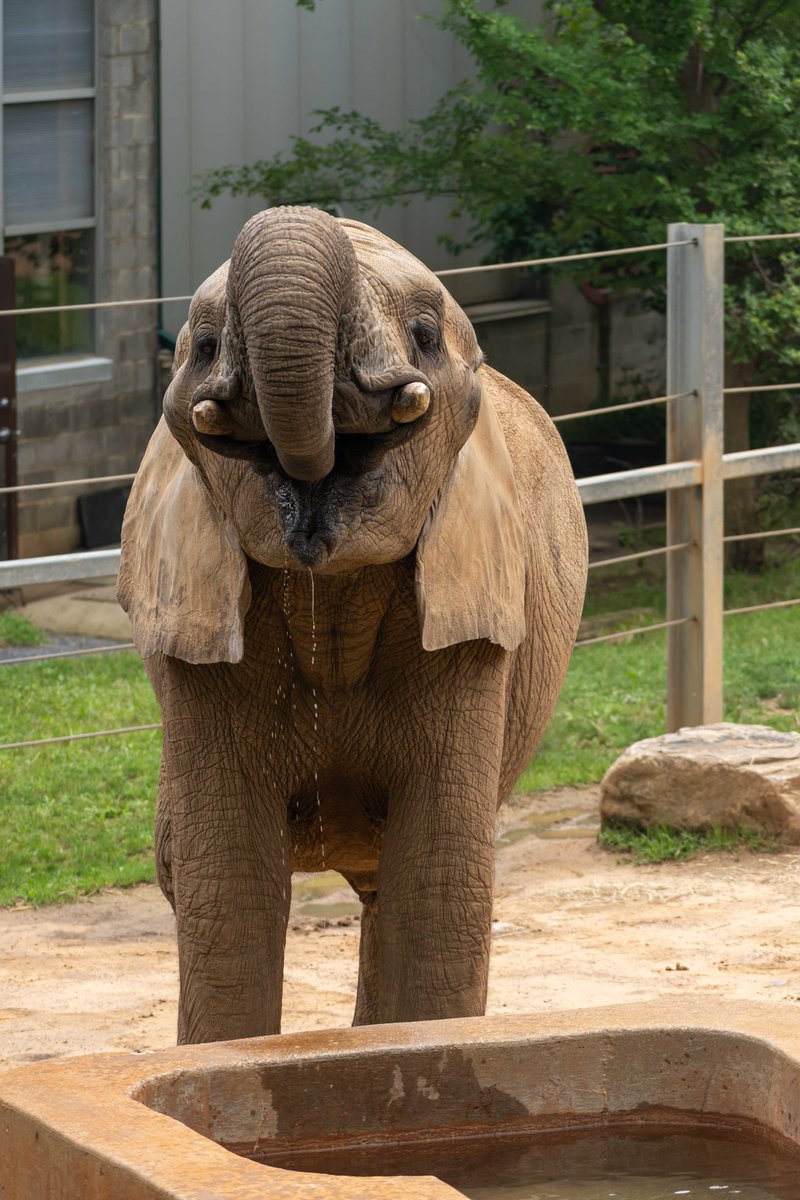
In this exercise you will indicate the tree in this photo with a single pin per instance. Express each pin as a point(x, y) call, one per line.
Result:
point(593, 131)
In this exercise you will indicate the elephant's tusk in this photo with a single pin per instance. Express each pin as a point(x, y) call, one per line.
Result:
point(211, 418)
point(410, 403)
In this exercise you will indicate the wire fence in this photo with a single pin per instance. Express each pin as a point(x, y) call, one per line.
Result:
point(449, 272)
point(763, 533)
point(632, 632)
point(58, 654)
point(79, 737)
point(597, 494)
point(613, 408)
point(93, 306)
point(636, 555)
point(760, 237)
point(63, 483)
point(762, 387)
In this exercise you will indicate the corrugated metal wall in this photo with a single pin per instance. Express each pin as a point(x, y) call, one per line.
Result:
point(239, 77)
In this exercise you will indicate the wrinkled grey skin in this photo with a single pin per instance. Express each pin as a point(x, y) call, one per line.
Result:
point(338, 741)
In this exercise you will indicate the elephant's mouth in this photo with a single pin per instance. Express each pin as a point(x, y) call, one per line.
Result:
point(315, 516)
point(311, 520)
point(355, 453)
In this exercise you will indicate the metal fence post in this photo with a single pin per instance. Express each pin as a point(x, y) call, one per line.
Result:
point(695, 354)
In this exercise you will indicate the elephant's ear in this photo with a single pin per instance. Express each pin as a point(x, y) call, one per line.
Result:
point(470, 577)
point(183, 576)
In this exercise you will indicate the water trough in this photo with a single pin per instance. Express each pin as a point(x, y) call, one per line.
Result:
point(200, 1121)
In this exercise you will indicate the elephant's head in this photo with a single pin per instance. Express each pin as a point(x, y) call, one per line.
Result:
point(325, 390)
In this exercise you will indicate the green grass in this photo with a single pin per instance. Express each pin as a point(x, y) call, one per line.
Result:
point(79, 816)
point(17, 631)
point(663, 844)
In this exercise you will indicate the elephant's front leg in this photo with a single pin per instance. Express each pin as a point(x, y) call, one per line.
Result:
point(436, 878)
point(231, 881)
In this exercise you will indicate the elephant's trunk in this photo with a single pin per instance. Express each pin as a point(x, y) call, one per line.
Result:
point(293, 275)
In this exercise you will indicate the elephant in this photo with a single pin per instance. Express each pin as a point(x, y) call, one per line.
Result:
point(354, 559)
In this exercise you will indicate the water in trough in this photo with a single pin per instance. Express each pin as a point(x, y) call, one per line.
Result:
point(630, 1164)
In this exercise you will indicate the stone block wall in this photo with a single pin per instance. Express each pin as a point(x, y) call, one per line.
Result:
point(573, 351)
point(636, 350)
point(517, 347)
point(555, 353)
point(71, 430)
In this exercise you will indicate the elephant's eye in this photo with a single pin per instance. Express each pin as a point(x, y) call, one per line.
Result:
point(425, 336)
point(206, 348)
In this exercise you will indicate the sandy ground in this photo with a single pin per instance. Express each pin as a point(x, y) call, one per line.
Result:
point(574, 926)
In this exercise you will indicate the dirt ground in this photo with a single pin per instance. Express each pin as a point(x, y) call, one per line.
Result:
point(574, 926)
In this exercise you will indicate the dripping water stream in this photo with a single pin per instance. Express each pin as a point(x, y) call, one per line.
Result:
point(284, 666)
point(314, 744)
point(283, 661)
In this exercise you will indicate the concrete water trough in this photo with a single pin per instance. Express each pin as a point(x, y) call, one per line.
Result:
point(200, 1121)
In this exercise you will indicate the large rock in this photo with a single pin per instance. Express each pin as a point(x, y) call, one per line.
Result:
point(734, 776)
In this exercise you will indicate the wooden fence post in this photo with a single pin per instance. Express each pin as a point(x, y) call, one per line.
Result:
point(695, 364)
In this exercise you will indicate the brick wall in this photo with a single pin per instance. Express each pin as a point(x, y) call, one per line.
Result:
point(102, 428)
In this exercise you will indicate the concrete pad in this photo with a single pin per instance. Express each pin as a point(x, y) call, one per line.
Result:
point(88, 612)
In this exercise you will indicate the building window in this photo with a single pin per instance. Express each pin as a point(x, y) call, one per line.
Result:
point(48, 195)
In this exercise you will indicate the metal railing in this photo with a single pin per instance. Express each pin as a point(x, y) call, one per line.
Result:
point(693, 479)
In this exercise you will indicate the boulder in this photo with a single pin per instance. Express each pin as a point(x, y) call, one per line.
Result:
point(733, 776)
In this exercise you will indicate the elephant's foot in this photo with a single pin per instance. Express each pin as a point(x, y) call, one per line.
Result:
point(366, 1012)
